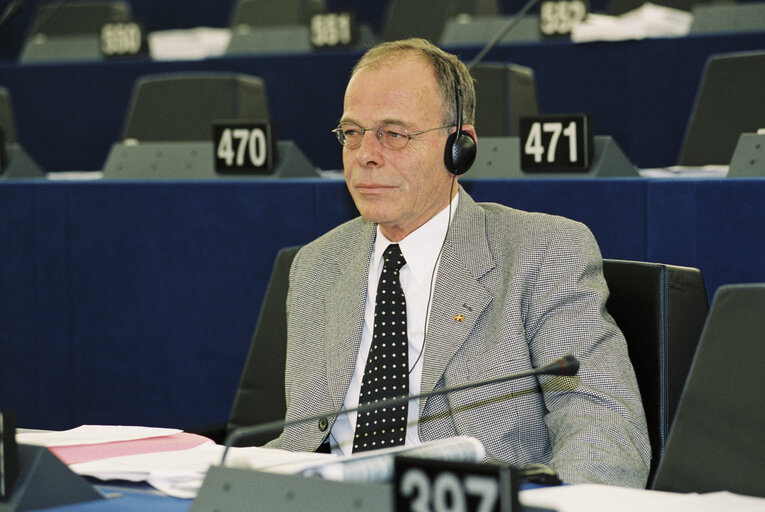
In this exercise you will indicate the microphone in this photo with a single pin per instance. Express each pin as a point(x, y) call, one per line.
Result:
point(567, 366)
point(11, 10)
point(502, 33)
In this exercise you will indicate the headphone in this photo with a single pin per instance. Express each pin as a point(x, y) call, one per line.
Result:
point(460, 148)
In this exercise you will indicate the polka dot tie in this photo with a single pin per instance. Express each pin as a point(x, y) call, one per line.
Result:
point(386, 374)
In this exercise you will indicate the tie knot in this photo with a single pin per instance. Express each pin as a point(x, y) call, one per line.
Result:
point(392, 258)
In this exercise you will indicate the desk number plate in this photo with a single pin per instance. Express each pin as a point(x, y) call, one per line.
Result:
point(558, 17)
point(556, 143)
point(334, 30)
point(123, 40)
point(426, 485)
point(244, 147)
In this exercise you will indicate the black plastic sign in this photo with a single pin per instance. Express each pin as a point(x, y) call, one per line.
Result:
point(556, 143)
point(244, 147)
point(334, 29)
point(429, 485)
point(558, 17)
point(124, 39)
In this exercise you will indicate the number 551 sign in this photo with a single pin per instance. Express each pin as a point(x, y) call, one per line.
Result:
point(556, 143)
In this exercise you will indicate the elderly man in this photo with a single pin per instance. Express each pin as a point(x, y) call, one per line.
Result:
point(429, 289)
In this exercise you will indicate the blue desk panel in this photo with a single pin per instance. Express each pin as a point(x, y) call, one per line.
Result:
point(639, 92)
point(135, 302)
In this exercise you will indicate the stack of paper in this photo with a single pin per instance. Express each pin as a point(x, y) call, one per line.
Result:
point(649, 20)
point(176, 462)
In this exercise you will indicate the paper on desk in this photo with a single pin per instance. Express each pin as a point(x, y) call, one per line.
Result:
point(649, 20)
point(88, 434)
point(188, 44)
point(680, 171)
point(180, 473)
point(607, 498)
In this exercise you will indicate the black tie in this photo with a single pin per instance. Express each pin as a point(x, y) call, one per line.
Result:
point(386, 374)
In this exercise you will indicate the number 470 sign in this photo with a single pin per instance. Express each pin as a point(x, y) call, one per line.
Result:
point(244, 147)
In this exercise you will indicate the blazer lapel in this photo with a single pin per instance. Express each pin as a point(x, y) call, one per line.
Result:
point(345, 313)
point(459, 297)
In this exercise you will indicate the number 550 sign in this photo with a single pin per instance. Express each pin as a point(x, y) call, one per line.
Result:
point(556, 143)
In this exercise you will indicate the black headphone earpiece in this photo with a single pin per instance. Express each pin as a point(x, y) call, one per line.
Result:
point(460, 148)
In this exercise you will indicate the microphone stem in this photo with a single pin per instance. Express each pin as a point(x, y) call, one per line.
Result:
point(558, 367)
point(502, 33)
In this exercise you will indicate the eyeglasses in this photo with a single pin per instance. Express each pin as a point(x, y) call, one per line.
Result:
point(390, 135)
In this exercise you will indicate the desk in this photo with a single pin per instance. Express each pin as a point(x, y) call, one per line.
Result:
point(134, 302)
point(639, 92)
point(128, 500)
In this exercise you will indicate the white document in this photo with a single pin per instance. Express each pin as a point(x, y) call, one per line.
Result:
point(91, 434)
point(649, 20)
point(607, 498)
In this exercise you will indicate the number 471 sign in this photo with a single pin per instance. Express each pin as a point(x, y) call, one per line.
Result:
point(556, 143)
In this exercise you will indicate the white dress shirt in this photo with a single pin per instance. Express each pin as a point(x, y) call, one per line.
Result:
point(421, 250)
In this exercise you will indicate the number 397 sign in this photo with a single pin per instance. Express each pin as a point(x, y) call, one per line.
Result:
point(244, 147)
point(556, 143)
point(426, 485)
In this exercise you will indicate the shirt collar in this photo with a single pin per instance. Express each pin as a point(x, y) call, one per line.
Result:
point(422, 246)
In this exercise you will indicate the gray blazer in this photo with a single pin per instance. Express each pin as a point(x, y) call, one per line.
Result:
point(531, 289)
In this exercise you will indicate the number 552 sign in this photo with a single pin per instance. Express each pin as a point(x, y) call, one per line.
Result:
point(556, 143)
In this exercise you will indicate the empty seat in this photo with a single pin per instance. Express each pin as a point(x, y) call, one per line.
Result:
point(730, 101)
point(661, 310)
point(744, 17)
point(504, 93)
point(183, 106)
point(71, 30)
point(427, 18)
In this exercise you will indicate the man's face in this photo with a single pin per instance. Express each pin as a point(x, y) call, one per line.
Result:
point(400, 189)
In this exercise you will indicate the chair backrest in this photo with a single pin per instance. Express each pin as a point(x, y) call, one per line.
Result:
point(661, 311)
point(267, 13)
point(504, 93)
point(417, 18)
point(730, 101)
point(733, 17)
point(7, 122)
point(260, 397)
point(70, 18)
point(183, 106)
point(474, 30)
point(716, 440)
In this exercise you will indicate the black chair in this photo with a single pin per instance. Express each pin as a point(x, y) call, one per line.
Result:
point(267, 13)
point(7, 120)
point(14, 160)
point(660, 308)
point(504, 93)
point(427, 18)
point(183, 106)
point(716, 440)
point(730, 101)
point(661, 311)
point(71, 30)
point(168, 130)
point(260, 396)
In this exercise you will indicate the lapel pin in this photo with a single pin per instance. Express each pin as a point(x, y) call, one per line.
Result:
point(459, 317)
